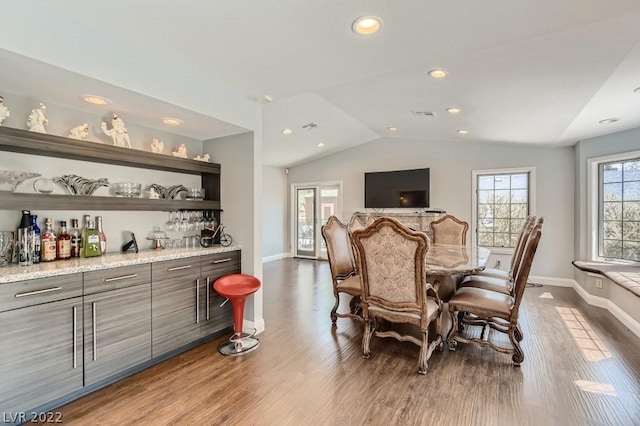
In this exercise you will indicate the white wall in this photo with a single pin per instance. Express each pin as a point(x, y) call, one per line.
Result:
point(451, 165)
point(274, 213)
point(240, 198)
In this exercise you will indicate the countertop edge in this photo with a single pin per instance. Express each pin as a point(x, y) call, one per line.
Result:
point(17, 273)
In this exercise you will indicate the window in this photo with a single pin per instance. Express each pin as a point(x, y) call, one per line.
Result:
point(619, 209)
point(503, 200)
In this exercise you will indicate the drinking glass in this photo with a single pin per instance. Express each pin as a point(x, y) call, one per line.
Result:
point(7, 246)
point(169, 225)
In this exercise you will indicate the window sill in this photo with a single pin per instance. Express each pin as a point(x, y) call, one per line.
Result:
point(499, 250)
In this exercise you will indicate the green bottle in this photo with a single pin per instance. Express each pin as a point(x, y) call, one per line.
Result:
point(90, 240)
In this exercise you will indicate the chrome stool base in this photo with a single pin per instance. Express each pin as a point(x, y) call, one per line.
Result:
point(238, 346)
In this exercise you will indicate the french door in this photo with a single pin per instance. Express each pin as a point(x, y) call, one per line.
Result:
point(312, 206)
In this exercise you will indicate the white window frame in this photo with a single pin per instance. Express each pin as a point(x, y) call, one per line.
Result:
point(474, 202)
point(593, 202)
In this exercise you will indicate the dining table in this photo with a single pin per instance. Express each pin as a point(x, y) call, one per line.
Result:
point(447, 265)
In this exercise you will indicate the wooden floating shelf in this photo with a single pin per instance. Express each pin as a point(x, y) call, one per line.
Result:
point(19, 201)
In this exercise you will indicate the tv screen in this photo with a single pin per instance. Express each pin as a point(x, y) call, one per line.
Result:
point(397, 189)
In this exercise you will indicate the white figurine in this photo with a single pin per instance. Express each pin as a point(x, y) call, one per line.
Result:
point(80, 132)
point(204, 158)
point(157, 146)
point(153, 195)
point(4, 111)
point(118, 132)
point(182, 152)
point(37, 120)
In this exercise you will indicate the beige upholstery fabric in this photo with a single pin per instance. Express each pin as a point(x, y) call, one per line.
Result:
point(501, 285)
point(351, 284)
point(498, 303)
point(449, 230)
point(431, 305)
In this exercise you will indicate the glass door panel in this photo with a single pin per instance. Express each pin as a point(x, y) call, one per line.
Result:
point(305, 222)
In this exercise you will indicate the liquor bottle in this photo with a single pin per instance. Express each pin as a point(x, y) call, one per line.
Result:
point(90, 240)
point(49, 246)
point(63, 243)
point(37, 238)
point(76, 240)
point(103, 237)
point(85, 223)
point(25, 240)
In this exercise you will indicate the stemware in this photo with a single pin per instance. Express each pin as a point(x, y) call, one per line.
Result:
point(170, 224)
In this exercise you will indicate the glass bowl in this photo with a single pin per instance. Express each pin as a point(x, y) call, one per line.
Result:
point(127, 189)
point(196, 194)
point(10, 179)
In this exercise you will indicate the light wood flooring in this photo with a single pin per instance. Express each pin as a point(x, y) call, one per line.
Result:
point(581, 367)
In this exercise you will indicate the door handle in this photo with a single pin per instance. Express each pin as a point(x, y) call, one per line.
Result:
point(228, 259)
point(75, 338)
point(198, 301)
point(207, 281)
point(124, 277)
point(33, 293)
point(95, 333)
point(177, 268)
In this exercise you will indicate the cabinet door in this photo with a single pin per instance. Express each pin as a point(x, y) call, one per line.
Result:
point(214, 316)
point(176, 319)
point(117, 331)
point(41, 356)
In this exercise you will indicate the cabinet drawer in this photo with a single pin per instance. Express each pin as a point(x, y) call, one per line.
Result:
point(219, 261)
point(42, 290)
point(175, 268)
point(115, 278)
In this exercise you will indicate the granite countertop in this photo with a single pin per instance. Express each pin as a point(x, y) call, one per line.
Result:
point(15, 273)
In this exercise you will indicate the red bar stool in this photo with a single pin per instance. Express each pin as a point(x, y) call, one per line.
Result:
point(236, 288)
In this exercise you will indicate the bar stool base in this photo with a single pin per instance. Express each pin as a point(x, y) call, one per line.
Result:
point(238, 347)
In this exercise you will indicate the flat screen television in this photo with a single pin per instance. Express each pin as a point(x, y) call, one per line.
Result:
point(397, 189)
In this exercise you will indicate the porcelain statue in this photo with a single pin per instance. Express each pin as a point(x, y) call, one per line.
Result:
point(4, 111)
point(118, 132)
point(37, 119)
point(182, 152)
point(80, 132)
point(157, 146)
point(204, 158)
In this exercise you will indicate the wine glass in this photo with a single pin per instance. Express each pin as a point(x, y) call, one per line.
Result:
point(170, 225)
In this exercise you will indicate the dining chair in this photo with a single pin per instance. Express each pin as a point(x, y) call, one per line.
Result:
point(503, 281)
point(343, 271)
point(494, 310)
point(391, 261)
point(449, 230)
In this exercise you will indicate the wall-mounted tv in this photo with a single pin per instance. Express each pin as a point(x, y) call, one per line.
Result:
point(397, 189)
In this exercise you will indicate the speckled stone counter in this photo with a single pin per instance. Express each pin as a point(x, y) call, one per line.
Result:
point(64, 267)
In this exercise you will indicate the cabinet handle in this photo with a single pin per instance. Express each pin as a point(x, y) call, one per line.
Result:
point(177, 268)
point(207, 298)
point(95, 333)
point(75, 338)
point(33, 293)
point(124, 277)
point(228, 259)
point(198, 301)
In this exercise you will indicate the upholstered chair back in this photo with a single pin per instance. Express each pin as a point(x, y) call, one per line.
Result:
point(339, 251)
point(529, 223)
point(449, 230)
point(521, 276)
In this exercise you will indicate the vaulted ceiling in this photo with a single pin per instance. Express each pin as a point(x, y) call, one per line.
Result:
point(536, 72)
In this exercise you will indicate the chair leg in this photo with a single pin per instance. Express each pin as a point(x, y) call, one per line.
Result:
point(334, 317)
point(451, 341)
point(461, 321)
point(518, 333)
point(366, 339)
point(518, 354)
point(424, 349)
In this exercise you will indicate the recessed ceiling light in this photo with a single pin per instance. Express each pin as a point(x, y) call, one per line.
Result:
point(366, 25)
point(453, 110)
point(320, 144)
point(462, 132)
point(438, 73)
point(637, 90)
point(287, 132)
point(96, 100)
point(172, 121)
point(392, 129)
point(608, 120)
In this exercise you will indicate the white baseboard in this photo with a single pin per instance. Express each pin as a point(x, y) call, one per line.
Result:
point(258, 325)
point(598, 301)
point(558, 282)
point(276, 257)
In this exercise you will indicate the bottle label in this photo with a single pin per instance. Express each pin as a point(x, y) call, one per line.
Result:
point(48, 251)
point(64, 249)
point(93, 245)
point(37, 249)
point(75, 246)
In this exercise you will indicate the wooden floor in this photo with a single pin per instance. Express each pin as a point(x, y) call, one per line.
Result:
point(581, 367)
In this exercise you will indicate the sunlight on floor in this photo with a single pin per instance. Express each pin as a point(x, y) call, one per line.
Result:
point(546, 295)
point(595, 387)
point(586, 339)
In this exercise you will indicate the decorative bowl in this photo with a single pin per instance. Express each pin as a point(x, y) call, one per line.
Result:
point(127, 189)
point(166, 193)
point(196, 194)
point(10, 179)
point(77, 185)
